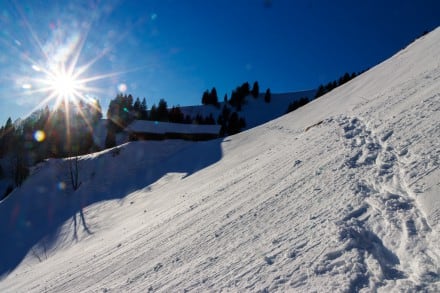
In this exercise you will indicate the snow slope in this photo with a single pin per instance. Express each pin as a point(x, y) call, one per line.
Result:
point(255, 111)
point(339, 195)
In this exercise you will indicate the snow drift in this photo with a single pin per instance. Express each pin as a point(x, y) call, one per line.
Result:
point(339, 195)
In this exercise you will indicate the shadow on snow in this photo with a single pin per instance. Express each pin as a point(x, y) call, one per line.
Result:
point(32, 216)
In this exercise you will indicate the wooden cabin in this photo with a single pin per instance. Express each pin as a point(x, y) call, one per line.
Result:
point(156, 130)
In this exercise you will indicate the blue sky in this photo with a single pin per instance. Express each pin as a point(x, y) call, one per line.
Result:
point(176, 49)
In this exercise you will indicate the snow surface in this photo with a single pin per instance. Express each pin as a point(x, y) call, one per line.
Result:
point(340, 195)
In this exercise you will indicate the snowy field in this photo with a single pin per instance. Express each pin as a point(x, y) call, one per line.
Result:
point(341, 195)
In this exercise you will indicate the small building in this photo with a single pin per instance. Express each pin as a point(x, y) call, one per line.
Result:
point(156, 130)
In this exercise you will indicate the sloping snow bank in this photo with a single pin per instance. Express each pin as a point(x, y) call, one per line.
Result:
point(340, 195)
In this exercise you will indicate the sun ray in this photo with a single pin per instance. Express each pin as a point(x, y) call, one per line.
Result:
point(84, 117)
point(32, 33)
point(112, 74)
point(55, 71)
point(103, 53)
point(78, 51)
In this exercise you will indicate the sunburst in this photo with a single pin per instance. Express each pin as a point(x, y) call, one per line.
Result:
point(64, 85)
point(59, 78)
point(57, 70)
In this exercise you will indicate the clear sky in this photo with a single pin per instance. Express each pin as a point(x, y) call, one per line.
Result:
point(175, 49)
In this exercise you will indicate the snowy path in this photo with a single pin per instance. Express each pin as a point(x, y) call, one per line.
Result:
point(389, 212)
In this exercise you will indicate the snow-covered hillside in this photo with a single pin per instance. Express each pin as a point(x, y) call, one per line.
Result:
point(339, 195)
point(255, 111)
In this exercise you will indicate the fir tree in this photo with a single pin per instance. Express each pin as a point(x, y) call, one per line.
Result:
point(267, 96)
point(110, 139)
point(213, 98)
point(162, 111)
point(153, 113)
point(205, 97)
point(143, 110)
point(255, 90)
point(137, 108)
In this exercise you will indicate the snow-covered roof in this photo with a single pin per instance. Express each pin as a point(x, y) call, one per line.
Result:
point(156, 127)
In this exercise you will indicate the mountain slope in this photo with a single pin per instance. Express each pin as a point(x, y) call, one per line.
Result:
point(255, 111)
point(339, 195)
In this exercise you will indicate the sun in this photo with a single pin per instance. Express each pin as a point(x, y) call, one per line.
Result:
point(60, 69)
point(64, 85)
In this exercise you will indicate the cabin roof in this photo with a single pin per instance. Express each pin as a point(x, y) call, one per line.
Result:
point(157, 127)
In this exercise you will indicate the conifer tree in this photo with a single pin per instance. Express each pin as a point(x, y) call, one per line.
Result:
point(153, 113)
point(137, 108)
point(205, 97)
point(267, 96)
point(213, 98)
point(110, 139)
point(255, 90)
point(162, 110)
point(320, 91)
point(245, 89)
point(143, 110)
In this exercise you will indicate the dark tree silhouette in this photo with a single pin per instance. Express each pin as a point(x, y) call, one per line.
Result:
point(296, 104)
point(322, 90)
point(213, 98)
point(162, 111)
point(110, 139)
point(255, 90)
point(210, 97)
point(205, 98)
point(143, 110)
point(120, 111)
point(267, 96)
point(137, 108)
point(175, 115)
point(153, 113)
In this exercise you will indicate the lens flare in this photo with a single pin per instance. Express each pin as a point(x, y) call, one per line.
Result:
point(61, 185)
point(57, 64)
point(39, 135)
point(122, 87)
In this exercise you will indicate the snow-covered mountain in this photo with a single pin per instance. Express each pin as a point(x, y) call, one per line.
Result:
point(339, 195)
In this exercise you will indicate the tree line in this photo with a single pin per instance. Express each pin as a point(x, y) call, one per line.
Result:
point(123, 110)
point(67, 130)
point(64, 131)
point(323, 89)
